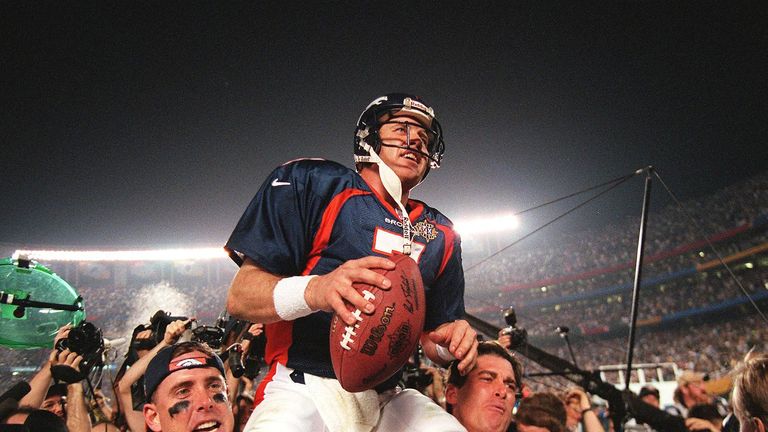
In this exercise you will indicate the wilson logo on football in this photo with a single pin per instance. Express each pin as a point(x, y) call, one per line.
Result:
point(377, 333)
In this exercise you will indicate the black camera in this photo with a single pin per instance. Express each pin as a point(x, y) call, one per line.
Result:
point(213, 336)
point(87, 341)
point(159, 322)
point(157, 325)
point(518, 336)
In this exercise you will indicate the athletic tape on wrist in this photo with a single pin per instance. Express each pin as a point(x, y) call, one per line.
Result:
point(289, 298)
point(444, 354)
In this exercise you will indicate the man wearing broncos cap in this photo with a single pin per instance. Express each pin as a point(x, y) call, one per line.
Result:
point(186, 389)
point(314, 229)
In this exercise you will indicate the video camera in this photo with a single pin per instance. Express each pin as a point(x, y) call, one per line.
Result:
point(213, 336)
point(87, 341)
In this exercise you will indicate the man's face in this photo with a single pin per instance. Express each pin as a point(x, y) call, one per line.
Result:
point(190, 400)
point(485, 401)
point(573, 410)
point(695, 391)
point(55, 404)
point(407, 135)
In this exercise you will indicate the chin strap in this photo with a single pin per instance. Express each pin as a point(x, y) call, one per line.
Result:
point(394, 187)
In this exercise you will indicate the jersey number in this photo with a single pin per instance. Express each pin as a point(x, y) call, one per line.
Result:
point(388, 242)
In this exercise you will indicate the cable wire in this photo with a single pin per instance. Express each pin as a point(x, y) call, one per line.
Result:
point(616, 182)
point(613, 184)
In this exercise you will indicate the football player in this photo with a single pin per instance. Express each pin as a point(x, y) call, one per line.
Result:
point(316, 227)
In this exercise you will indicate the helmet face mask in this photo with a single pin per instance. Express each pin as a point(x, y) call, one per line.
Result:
point(381, 111)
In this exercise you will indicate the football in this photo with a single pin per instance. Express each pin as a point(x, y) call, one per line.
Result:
point(379, 344)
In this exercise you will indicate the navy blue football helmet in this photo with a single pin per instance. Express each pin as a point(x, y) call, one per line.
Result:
point(397, 104)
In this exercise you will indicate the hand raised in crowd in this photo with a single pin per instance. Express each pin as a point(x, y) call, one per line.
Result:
point(461, 341)
point(253, 331)
point(256, 329)
point(578, 393)
point(65, 358)
point(504, 339)
point(331, 292)
point(175, 329)
point(62, 333)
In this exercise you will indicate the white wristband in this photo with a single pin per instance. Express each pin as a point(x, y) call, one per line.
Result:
point(443, 353)
point(288, 297)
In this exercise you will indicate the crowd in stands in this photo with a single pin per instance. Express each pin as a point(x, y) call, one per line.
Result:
point(697, 291)
point(551, 287)
point(616, 244)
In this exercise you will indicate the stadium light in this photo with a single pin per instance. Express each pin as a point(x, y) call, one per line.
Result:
point(123, 255)
point(486, 225)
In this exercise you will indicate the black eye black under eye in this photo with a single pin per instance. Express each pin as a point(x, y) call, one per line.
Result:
point(178, 407)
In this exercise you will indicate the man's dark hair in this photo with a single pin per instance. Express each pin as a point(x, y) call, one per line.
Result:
point(648, 391)
point(544, 410)
point(487, 348)
point(59, 389)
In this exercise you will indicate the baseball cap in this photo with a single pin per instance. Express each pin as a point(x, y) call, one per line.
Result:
point(164, 364)
point(689, 376)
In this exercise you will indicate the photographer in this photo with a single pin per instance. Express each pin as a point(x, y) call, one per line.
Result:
point(72, 408)
point(173, 332)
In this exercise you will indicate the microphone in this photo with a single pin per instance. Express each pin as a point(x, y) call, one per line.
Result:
point(562, 329)
point(9, 400)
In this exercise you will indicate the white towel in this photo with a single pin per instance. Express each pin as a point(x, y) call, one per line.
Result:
point(341, 410)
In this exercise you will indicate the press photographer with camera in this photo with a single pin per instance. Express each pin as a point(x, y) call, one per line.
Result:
point(72, 407)
point(173, 331)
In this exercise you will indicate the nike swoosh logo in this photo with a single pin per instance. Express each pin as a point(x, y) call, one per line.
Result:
point(275, 182)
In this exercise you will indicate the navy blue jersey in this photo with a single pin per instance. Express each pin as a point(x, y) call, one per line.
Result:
point(311, 216)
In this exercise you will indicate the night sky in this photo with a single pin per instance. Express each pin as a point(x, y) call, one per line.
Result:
point(146, 124)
